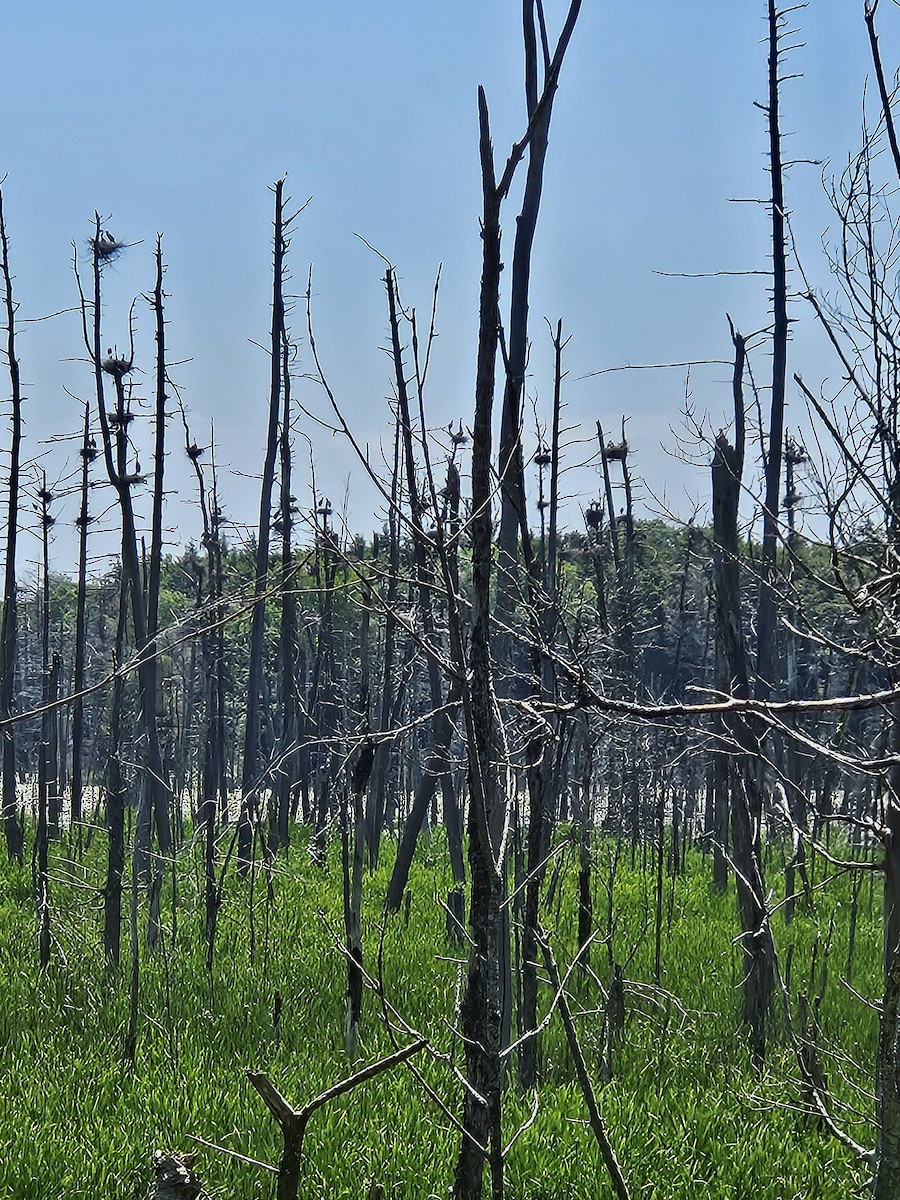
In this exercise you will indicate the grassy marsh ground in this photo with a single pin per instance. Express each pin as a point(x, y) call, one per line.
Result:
point(687, 1115)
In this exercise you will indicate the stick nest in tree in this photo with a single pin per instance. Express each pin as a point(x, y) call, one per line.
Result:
point(106, 247)
point(615, 451)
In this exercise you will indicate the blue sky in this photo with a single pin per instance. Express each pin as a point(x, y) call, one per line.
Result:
point(178, 116)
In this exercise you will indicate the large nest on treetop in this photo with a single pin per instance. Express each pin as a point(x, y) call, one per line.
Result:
point(106, 246)
point(114, 364)
point(615, 451)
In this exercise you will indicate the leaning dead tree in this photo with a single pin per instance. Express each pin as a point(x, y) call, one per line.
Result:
point(436, 768)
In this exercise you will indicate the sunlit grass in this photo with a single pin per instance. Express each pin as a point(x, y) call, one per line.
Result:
point(685, 1111)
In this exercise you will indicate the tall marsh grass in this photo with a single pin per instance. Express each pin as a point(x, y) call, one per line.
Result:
point(687, 1114)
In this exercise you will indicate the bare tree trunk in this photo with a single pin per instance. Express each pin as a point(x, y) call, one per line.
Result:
point(377, 791)
point(481, 1004)
point(436, 768)
point(767, 613)
point(46, 781)
point(540, 757)
point(13, 828)
point(279, 828)
point(116, 791)
point(156, 797)
point(584, 827)
point(46, 767)
point(887, 1083)
point(173, 803)
point(88, 454)
point(887, 1176)
point(322, 706)
point(213, 803)
point(353, 848)
point(742, 761)
point(452, 813)
point(251, 772)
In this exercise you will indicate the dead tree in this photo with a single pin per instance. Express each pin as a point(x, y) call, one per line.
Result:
point(293, 1121)
point(156, 804)
point(213, 804)
point(482, 1008)
point(283, 785)
point(323, 719)
point(353, 845)
point(542, 750)
point(46, 772)
point(865, 433)
point(739, 775)
point(767, 611)
point(116, 791)
point(435, 769)
point(252, 764)
point(48, 756)
point(377, 791)
point(88, 453)
point(13, 828)
point(154, 571)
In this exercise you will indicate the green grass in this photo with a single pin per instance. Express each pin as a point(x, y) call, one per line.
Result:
point(685, 1111)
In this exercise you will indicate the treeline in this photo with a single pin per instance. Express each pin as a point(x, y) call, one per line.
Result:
point(671, 610)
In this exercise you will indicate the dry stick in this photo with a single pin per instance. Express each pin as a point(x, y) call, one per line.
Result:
point(620, 1187)
point(884, 94)
point(252, 1162)
point(293, 1121)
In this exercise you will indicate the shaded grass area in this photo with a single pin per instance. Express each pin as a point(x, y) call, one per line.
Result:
point(686, 1113)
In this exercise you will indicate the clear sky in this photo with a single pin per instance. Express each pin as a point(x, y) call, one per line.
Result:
point(177, 116)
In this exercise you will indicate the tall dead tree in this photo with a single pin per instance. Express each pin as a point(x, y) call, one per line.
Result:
point(115, 798)
point(865, 431)
point(47, 761)
point(482, 1008)
point(154, 571)
point(283, 785)
point(13, 829)
point(481, 1013)
point(155, 805)
point(213, 791)
point(436, 768)
point(252, 764)
point(738, 775)
point(88, 453)
point(542, 749)
point(377, 793)
point(767, 613)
